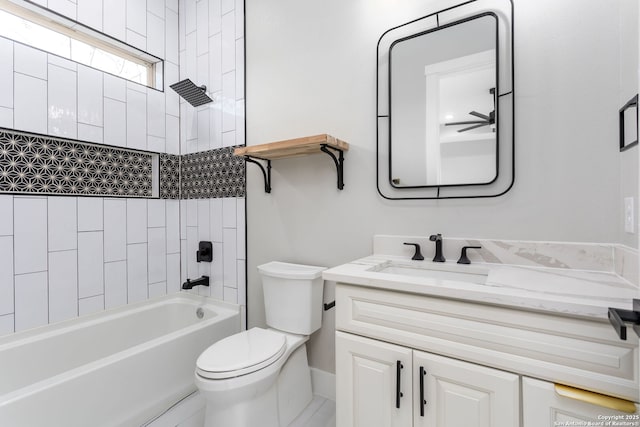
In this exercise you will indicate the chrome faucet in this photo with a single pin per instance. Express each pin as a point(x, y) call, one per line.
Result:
point(438, 239)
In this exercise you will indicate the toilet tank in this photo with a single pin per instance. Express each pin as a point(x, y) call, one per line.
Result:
point(292, 296)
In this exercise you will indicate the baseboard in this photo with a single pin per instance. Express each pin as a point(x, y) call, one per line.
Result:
point(323, 383)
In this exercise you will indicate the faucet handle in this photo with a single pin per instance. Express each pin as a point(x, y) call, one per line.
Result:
point(417, 256)
point(463, 254)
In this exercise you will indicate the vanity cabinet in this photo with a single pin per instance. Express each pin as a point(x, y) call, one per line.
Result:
point(542, 405)
point(381, 384)
point(482, 363)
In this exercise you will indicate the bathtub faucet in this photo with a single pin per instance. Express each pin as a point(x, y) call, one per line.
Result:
point(189, 284)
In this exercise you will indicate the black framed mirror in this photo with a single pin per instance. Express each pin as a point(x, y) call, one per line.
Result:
point(445, 104)
point(628, 119)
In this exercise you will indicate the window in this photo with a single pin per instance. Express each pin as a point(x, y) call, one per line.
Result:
point(79, 44)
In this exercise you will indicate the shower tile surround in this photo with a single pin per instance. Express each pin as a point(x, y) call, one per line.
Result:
point(66, 256)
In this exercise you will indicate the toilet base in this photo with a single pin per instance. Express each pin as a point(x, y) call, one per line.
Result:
point(274, 406)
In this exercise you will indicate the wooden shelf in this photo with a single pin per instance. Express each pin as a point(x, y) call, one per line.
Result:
point(292, 147)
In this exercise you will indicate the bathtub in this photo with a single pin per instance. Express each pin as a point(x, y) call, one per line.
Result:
point(120, 367)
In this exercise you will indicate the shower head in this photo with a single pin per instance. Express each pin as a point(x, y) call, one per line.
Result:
point(194, 95)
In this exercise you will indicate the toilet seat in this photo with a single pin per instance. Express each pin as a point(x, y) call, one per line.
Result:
point(241, 354)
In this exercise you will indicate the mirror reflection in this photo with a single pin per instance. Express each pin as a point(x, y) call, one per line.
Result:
point(443, 97)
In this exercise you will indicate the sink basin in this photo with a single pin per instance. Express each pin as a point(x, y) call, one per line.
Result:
point(456, 273)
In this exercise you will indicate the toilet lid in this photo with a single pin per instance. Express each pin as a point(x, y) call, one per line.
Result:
point(241, 354)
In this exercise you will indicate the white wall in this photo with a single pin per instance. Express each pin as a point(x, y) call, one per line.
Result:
point(628, 50)
point(67, 256)
point(311, 69)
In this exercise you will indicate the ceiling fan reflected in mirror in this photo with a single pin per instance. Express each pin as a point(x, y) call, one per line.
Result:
point(486, 120)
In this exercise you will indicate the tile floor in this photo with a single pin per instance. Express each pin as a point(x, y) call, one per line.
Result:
point(321, 412)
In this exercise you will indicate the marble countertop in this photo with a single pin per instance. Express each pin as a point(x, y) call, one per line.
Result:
point(557, 291)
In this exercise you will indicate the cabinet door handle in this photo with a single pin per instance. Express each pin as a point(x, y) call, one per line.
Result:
point(596, 398)
point(423, 401)
point(398, 392)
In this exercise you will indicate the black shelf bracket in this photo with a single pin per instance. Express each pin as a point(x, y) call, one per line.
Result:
point(266, 173)
point(339, 161)
point(618, 317)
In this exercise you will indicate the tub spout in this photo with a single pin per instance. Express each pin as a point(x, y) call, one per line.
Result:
point(189, 284)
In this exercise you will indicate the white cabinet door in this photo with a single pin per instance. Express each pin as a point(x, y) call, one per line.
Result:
point(367, 387)
point(542, 406)
point(462, 394)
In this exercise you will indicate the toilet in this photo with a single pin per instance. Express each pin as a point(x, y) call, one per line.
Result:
point(261, 377)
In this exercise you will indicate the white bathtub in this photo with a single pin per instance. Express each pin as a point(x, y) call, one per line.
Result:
point(116, 368)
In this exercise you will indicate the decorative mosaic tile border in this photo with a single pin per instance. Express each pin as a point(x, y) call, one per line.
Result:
point(38, 164)
point(212, 174)
point(169, 176)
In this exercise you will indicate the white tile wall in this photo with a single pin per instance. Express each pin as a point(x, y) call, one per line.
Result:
point(73, 255)
point(157, 7)
point(115, 284)
point(115, 18)
point(90, 96)
point(63, 285)
point(204, 228)
point(115, 88)
point(31, 301)
point(62, 62)
point(115, 122)
point(173, 226)
point(157, 289)
point(61, 111)
point(218, 39)
point(137, 285)
point(230, 258)
point(155, 113)
point(6, 215)
point(64, 7)
point(136, 40)
point(115, 243)
point(136, 119)
point(62, 223)
point(90, 213)
point(30, 235)
point(156, 213)
point(91, 305)
point(30, 103)
point(136, 221)
point(6, 117)
point(173, 273)
point(155, 34)
point(90, 264)
point(229, 212)
point(90, 13)
point(6, 324)
point(6, 275)
point(202, 28)
point(157, 248)
point(29, 61)
point(6, 73)
point(171, 37)
point(90, 133)
point(136, 16)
